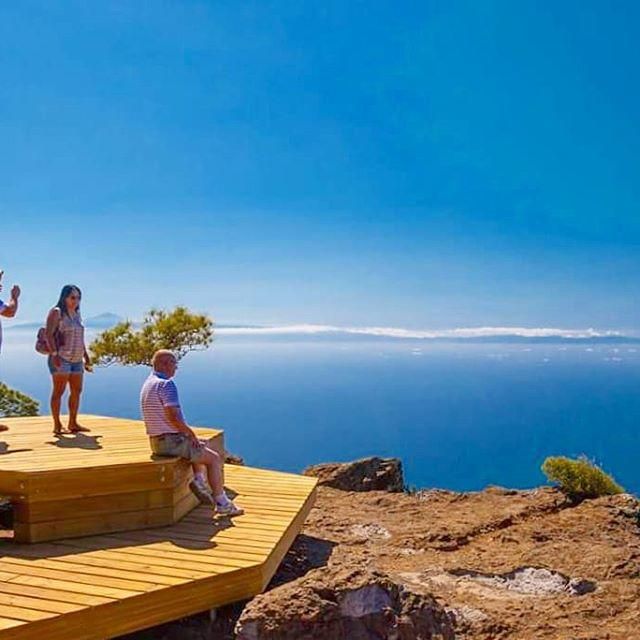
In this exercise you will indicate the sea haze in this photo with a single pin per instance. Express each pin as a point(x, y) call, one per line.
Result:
point(461, 415)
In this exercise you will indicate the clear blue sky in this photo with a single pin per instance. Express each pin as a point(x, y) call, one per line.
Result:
point(417, 164)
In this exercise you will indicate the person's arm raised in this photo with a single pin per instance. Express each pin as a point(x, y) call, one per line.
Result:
point(11, 308)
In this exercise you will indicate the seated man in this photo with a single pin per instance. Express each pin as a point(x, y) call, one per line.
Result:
point(171, 436)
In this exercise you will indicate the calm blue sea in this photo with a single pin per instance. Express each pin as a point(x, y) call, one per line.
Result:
point(460, 416)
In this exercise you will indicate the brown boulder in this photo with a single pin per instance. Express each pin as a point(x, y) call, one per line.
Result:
point(367, 474)
point(349, 604)
point(232, 458)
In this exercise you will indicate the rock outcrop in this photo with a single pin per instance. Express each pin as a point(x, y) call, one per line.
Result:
point(367, 474)
point(491, 565)
point(358, 604)
point(232, 458)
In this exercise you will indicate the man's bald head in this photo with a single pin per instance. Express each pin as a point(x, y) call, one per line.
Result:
point(164, 361)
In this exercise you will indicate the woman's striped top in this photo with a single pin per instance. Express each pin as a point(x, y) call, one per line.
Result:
point(71, 330)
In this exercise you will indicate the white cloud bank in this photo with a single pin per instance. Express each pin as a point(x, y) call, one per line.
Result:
point(394, 332)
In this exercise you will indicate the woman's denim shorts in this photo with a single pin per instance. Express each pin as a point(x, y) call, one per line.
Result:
point(65, 366)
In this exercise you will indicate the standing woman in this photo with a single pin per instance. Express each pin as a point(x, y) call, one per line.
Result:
point(69, 357)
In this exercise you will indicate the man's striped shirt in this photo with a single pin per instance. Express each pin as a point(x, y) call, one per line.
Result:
point(158, 392)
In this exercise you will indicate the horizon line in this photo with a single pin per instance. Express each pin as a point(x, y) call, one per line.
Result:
point(426, 334)
point(456, 333)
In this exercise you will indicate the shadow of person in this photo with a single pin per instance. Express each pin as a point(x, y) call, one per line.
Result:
point(77, 441)
point(197, 536)
point(5, 450)
point(197, 530)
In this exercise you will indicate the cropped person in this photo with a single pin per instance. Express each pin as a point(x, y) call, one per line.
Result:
point(69, 358)
point(8, 310)
point(170, 435)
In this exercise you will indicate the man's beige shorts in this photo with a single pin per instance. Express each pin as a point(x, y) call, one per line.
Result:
point(178, 444)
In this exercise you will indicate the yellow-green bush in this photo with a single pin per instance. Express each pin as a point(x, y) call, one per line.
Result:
point(16, 403)
point(580, 478)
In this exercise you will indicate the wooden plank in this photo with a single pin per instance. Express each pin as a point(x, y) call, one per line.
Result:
point(8, 623)
point(53, 594)
point(55, 510)
point(161, 550)
point(44, 531)
point(191, 561)
point(100, 571)
point(39, 604)
point(180, 601)
point(101, 556)
point(163, 573)
point(69, 584)
point(37, 569)
point(184, 506)
point(5, 576)
point(26, 615)
point(11, 483)
point(217, 557)
point(76, 625)
point(83, 482)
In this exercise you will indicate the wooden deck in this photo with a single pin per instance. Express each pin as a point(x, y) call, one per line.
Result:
point(31, 448)
point(97, 482)
point(102, 586)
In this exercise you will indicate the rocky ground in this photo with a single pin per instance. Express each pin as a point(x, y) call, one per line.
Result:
point(438, 564)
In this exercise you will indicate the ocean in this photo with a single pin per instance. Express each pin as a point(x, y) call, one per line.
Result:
point(460, 415)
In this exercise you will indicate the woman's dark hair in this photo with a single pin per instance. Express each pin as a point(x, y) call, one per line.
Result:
point(67, 290)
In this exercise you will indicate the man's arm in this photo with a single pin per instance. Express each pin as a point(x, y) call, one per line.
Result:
point(174, 416)
point(10, 309)
point(172, 411)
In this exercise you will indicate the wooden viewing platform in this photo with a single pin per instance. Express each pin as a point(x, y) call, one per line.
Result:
point(133, 573)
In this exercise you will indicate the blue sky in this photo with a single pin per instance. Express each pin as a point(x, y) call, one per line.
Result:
point(416, 164)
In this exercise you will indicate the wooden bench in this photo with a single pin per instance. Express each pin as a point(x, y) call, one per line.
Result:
point(102, 481)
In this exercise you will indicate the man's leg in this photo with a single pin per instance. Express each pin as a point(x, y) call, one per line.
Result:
point(215, 471)
point(199, 471)
point(213, 462)
point(213, 465)
point(199, 485)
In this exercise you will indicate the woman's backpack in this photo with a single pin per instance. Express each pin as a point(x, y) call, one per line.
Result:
point(42, 341)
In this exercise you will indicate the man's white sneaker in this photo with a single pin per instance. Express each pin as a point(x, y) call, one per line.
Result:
point(202, 493)
point(229, 509)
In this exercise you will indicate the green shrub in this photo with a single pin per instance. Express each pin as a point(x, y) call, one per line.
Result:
point(581, 478)
point(15, 403)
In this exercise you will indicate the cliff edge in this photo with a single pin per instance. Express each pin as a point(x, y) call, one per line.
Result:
point(445, 565)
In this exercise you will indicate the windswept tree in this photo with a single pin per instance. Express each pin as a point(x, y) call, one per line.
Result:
point(179, 330)
point(15, 403)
